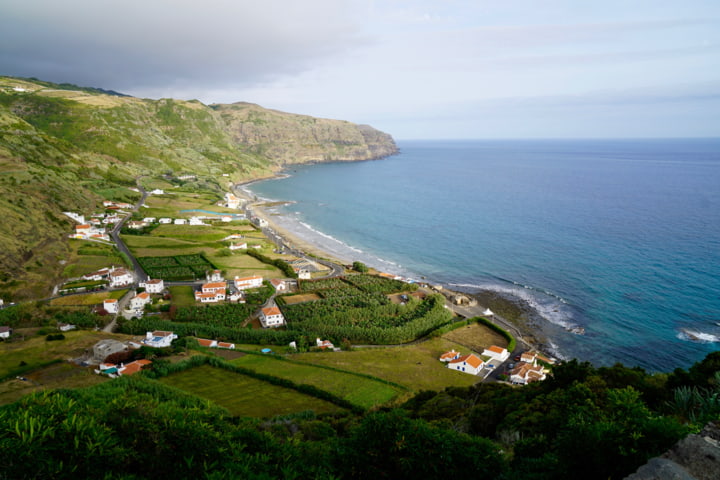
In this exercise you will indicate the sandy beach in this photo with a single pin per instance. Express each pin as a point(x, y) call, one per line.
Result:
point(514, 312)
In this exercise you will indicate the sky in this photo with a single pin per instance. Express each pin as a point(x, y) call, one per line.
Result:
point(420, 69)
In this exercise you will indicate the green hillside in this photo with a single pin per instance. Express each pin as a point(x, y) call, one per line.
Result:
point(67, 148)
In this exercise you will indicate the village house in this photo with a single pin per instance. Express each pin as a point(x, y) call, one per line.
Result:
point(165, 221)
point(302, 273)
point(98, 275)
point(153, 286)
point(471, 364)
point(497, 354)
point(180, 221)
point(248, 282)
point(226, 218)
point(196, 221)
point(451, 355)
point(204, 342)
point(324, 344)
point(525, 373)
point(149, 220)
point(5, 331)
point(159, 339)
point(110, 305)
point(231, 201)
point(229, 346)
point(279, 284)
point(119, 277)
point(66, 327)
point(214, 276)
point(271, 317)
point(238, 246)
point(211, 292)
point(233, 236)
point(236, 296)
point(133, 367)
point(139, 301)
point(137, 224)
point(157, 191)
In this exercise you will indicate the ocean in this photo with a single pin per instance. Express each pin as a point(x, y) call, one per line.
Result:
point(618, 237)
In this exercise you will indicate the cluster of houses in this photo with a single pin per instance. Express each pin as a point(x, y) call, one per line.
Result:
point(231, 201)
point(527, 370)
point(116, 276)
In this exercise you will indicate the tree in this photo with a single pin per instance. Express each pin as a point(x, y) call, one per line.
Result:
point(360, 267)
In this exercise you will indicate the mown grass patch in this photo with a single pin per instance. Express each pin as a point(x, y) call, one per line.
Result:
point(476, 337)
point(364, 392)
point(86, 257)
point(244, 396)
point(414, 366)
point(87, 299)
point(182, 296)
point(60, 375)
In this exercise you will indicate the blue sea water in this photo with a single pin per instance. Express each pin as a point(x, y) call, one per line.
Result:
point(620, 237)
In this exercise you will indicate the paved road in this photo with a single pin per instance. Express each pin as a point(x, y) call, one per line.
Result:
point(140, 274)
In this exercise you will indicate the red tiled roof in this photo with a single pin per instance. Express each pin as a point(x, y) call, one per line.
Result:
point(271, 311)
point(134, 367)
point(143, 295)
point(161, 333)
point(225, 344)
point(451, 354)
point(496, 349)
point(205, 342)
point(214, 285)
point(471, 359)
point(247, 279)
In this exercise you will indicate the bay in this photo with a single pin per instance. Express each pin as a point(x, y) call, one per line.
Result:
point(619, 237)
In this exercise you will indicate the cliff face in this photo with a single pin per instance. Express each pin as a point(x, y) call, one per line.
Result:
point(68, 148)
point(288, 138)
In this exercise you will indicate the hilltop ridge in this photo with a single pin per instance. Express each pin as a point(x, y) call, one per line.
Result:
point(64, 147)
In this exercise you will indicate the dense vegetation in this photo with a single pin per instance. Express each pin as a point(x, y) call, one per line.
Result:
point(585, 422)
point(177, 267)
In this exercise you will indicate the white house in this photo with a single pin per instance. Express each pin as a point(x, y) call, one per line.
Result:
point(139, 301)
point(149, 220)
point(236, 296)
point(280, 285)
point(497, 354)
point(448, 356)
point(471, 364)
point(196, 221)
point(238, 246)
point(158, 191)
point(233, 236)
point(302, 273)
point(214, 276)
point(159, 339)
point(248, 282)
point(154, 286)
point(165, 220)
point(119, 277)
point(211, 292)
point(180, 221)
point(232, 201)
point(110, 305)
point(133, 367)
point(271, 317)
point(230, 346)
point(323, 344)
point(226, 218)
point(66, 327)
point(5, 332)
point(204, 342)
point(525, 373)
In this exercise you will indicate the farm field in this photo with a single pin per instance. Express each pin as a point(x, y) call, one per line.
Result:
point(61, 375)
point(182, 296)
point(360, 391)
point(36, 351)
point(94, 298)
point(414, 366)
point(245, 396)
point(86, 257)
point(476, 337)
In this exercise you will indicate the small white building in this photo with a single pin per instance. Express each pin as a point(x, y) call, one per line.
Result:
point(154, 286)
point(110, 305)
point(204, 342)
point(158, 191)
point(66, 327)
point(196, 221)
point(159, 339)
point(497, 354)
point(232, 201)
point(5, 332)
point(448, 356)
point(271, 317)
point(180, 221)
point(302, 273)
point(471, 364)
point(238, 246)
point(248, 282)
point(119, 277)
point(279, 284)
point(214, 276)
point(149, 220)
point(525, 373)
point(165, 221)
point(323, 344)
point(139, 301)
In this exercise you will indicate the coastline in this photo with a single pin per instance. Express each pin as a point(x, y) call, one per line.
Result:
point(510, 311)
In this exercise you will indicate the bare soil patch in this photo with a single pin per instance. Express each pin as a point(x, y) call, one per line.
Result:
point(305, 297)
point(228, 354)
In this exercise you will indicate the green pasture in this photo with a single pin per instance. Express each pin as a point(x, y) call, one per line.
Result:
point(86, 257)
point(414, 366)
point(244, 396)
point(59, 375)
point(364, 392)
point(87, 298)
point(182, 296)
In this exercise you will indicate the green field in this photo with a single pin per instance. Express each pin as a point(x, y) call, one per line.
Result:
point(245, 396)
point(88, 298)
point(87, 257)
point(182, 296)
point(415, 366)
point(360, 391)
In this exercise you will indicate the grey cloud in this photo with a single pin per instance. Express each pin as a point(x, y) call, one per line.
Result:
point(148, 44)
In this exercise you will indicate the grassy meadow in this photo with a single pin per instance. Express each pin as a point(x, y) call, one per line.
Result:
point(358, 390)
point(244, 396)
point(86, 257)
